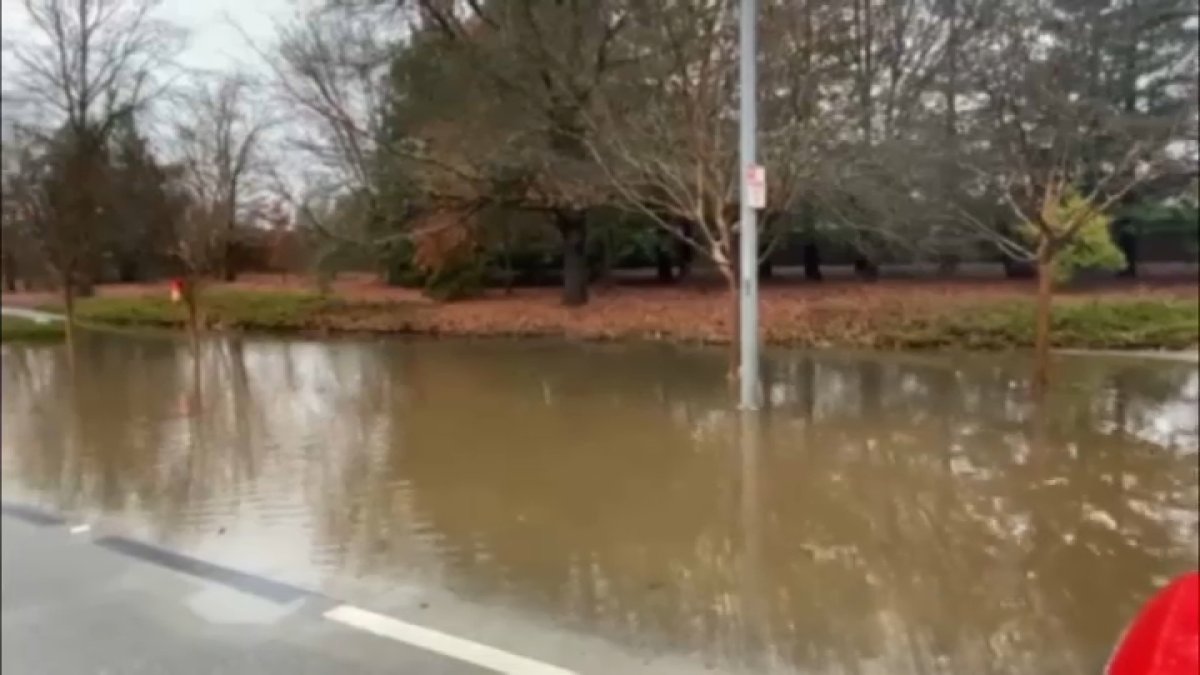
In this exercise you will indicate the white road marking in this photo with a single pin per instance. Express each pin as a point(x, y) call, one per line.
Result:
point(447, 645)
point(80, 529)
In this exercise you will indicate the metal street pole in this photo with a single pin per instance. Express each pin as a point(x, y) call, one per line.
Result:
point(748, 222)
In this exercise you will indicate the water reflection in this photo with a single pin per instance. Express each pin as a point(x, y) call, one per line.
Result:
point(890, 515)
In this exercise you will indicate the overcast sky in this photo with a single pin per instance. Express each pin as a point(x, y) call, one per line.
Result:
point(213, 44)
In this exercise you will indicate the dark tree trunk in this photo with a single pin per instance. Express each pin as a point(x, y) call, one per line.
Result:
point(1016, 269)
point(812, 262)
point(684, 253)
point(228, 267)
point(735, 319)
point(664, 267)
point(685, 262)
point(766, 270)
point(1042, 325)
point(128, 271)
point(1127, 241)
point(10, 272)
point(573, 228)
point(193, 314)
point(866, 268)
point(69, 306)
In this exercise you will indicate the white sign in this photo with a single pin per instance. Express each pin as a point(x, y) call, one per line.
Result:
point(756, 186)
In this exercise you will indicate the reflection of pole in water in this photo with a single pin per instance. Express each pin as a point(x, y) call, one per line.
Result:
point(755, 625)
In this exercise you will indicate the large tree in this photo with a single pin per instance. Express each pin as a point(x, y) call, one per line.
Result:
point(219, 135)
point(547, 61)
point(84, 66)
point(138, 215)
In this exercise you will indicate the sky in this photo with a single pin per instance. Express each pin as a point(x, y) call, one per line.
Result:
point(213, 43)
point(216, 32)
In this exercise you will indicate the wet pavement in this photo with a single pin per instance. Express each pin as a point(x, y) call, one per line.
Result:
point(71, 607)
point(583, 503)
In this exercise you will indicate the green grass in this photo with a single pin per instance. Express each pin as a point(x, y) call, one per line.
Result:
point(20, 329)
point(249, 310)
point(1108, 323)
point(1105, 322)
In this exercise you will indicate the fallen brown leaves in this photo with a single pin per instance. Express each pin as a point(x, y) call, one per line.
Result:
point(844, 313)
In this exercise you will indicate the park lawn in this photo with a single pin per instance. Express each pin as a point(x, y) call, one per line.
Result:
point(1078, 323)
point(219, 308)
point(21, 329)
point(988, 318)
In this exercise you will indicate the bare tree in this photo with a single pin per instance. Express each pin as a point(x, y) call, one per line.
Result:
point(84, 65)
point(665, 135)
point(331, 68)
point(26, 180)
point(220, 136)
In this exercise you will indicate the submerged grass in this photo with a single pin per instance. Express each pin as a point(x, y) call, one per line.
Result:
point(233, 309)
point(1107, 323)
point(980, 322)
point(21, 329)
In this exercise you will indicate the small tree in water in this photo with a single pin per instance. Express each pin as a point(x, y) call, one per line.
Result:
point(1068, 234)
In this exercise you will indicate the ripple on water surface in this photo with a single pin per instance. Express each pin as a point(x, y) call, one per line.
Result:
point(888, 514)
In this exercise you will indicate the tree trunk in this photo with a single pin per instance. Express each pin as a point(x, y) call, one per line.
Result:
point(766, 270)
point(128, 270)
point(510, 273)
point(573, 228)
point(69, 306)
point(228, 268)
point(686, 254)
point(865, 268)
point(663, 265)
point(1127, 241)
point(1015, 269)
point(10, 273)
point(189, 301)
point(1041, 345)
point(812, 262)
point(735, 320)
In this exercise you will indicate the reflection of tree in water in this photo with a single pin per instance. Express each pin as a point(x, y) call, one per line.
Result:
point(84, 438)
point(35, 438)
point(902, 515)
point(950, 543)
point(524, 480)
point(902, 507)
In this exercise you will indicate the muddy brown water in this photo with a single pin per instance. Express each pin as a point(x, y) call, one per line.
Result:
point(891, 514)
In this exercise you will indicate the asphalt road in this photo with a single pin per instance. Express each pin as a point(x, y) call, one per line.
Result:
point(74, 606)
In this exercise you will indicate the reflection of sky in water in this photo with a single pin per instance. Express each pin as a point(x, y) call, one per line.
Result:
point(902, 515)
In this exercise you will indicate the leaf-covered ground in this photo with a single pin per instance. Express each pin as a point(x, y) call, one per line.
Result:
point(890, 314)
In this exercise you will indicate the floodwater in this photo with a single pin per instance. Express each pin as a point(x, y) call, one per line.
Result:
point(888, 514)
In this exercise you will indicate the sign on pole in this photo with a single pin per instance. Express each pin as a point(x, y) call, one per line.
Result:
point(756, 186)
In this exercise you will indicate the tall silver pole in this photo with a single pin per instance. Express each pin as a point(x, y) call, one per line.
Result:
point(748, 222)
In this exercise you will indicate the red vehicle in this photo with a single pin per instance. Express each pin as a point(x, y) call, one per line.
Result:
point(1164, 638)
